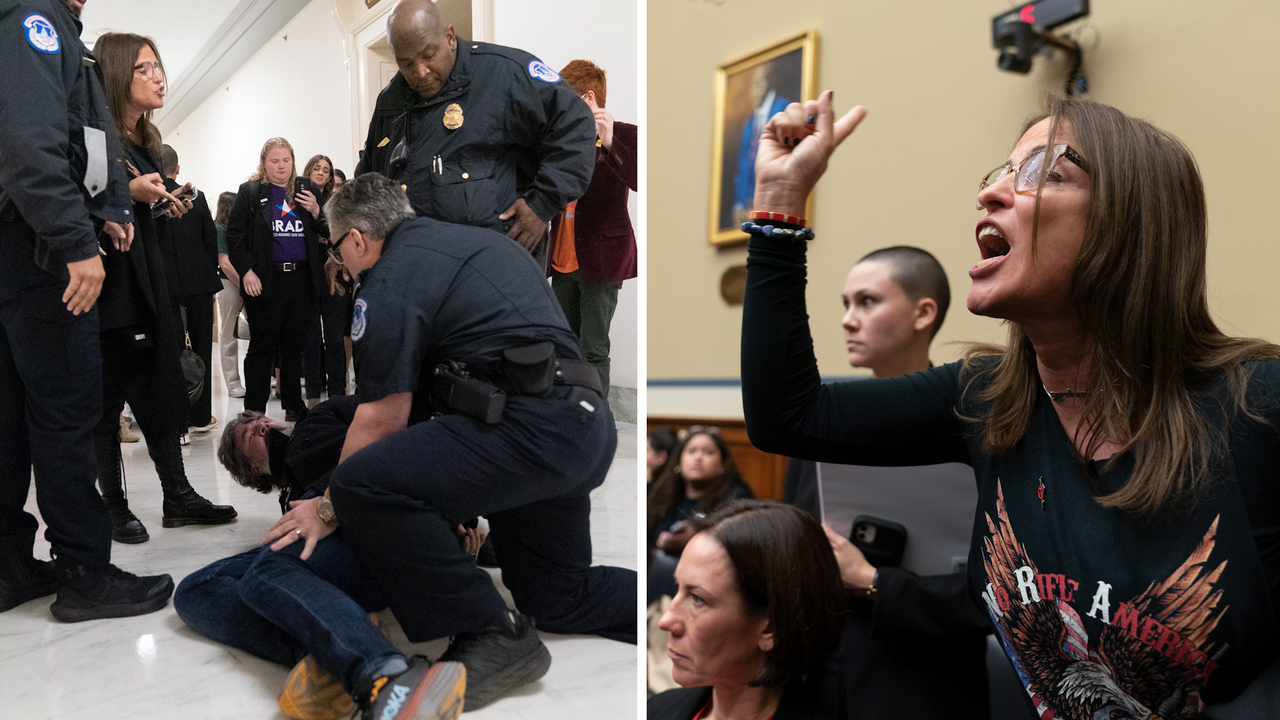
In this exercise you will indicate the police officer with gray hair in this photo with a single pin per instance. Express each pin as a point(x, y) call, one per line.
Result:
point(475, 400)
point(62, 192)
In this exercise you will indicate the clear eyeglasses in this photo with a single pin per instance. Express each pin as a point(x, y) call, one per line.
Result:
point(1028, 171)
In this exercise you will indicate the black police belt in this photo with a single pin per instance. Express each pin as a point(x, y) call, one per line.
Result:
point(531, 370)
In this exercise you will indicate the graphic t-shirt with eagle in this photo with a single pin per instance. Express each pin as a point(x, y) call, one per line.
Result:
point(1102, 614)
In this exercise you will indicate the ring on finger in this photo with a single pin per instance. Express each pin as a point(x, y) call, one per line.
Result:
point(298, 532)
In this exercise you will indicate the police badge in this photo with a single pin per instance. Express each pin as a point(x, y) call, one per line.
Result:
point(453, 116)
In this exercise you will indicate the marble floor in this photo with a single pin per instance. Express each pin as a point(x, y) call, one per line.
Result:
point(153, 668)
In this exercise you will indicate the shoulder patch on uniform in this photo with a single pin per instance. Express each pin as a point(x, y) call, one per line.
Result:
point(40, 33)
point(359, 319)
point(540, 71)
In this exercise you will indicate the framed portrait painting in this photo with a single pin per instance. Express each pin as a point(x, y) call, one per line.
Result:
point(749, 91)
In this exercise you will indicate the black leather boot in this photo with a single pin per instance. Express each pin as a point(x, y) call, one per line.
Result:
point(182, 504)
point(125, 526)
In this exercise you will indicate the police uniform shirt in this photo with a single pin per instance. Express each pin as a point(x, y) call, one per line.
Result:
point(59, 158)
point(448, 292)
point(504, 126)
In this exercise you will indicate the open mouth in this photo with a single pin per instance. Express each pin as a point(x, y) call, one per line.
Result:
point(992, 245)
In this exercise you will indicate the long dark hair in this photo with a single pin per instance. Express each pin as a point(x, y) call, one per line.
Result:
point(327, 191)
point(1139, 288)
point(669, 487)
point(226, 201)
point(116, 53)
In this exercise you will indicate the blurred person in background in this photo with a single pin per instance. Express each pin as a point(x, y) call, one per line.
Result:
point(323, 353)
point(700, 476)
point(192, 272)
point(593, 246)
point(658, 446)
point(273, 241)
point(229, 302)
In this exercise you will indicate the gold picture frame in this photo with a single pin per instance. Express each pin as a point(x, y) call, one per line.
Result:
point(749, 90)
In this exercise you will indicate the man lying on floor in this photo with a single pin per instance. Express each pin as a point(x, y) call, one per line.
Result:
point(313, 614)
point(456, 323)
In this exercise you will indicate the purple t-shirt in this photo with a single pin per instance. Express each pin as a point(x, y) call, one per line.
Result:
point(286, 225)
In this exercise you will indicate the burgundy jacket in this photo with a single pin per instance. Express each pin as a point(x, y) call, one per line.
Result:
point(603, 237)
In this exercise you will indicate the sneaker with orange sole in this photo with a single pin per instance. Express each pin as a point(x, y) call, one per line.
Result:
point(426, 691)
point(312, 693)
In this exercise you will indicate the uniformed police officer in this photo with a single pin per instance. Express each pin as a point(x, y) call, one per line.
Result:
point(478, 134)
point(458, 320)
point(61, 186)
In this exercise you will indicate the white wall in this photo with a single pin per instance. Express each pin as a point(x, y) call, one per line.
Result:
point(218, 144)
point(296, 87)
point(604, 32)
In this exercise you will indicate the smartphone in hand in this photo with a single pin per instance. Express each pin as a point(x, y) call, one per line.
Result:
point(881, 541)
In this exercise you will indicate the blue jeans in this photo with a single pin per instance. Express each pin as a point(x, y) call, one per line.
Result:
point(280, 608)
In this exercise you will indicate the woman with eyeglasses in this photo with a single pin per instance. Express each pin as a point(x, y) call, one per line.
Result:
point(140, 337)
point(1127, 541)
point(324, 353)
point(273, 241)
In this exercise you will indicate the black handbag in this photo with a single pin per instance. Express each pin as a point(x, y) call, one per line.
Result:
point(192, 365)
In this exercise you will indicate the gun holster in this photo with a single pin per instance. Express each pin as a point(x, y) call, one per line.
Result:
point(454, 389)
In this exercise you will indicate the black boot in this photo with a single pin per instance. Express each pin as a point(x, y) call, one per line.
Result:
point(499, 658)
point(125, 526)
point(182, 504)
point(107, 592)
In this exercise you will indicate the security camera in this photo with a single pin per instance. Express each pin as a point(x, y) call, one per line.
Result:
point(1023, 31)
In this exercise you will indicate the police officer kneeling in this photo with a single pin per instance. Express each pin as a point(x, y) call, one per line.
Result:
point(459, 323)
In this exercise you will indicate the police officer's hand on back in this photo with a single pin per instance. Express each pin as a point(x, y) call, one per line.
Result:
point(528, 229)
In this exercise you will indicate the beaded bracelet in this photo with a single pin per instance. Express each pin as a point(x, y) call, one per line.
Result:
point(770, 231)
point(777, 217)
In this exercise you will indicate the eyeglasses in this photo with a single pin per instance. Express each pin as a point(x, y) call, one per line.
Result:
point(149, 70)
point(1028, 172)
point(333, 248)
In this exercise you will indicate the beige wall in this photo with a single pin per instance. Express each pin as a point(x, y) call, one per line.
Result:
point(941, 115)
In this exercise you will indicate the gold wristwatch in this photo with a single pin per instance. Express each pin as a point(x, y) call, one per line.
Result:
point(324, 509)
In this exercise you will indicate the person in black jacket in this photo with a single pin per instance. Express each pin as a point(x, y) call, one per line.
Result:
point(909, 631)
point(478, 134)
point(273, 241)
point(139, 343)
point(192, 265)
point(62, 189)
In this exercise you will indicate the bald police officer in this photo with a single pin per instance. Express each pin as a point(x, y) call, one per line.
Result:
point(478, 134)
point(459, 323)
point(62, 188)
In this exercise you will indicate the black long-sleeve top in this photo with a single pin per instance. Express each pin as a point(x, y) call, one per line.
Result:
point(1097, 610)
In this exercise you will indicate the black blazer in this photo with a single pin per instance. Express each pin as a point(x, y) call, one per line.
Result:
point(191, 250)
point(249, 238)
point(799, 702)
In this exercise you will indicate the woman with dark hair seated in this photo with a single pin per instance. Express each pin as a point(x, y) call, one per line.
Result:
point(760, 603)
point(658, 447)
point(700, 477)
